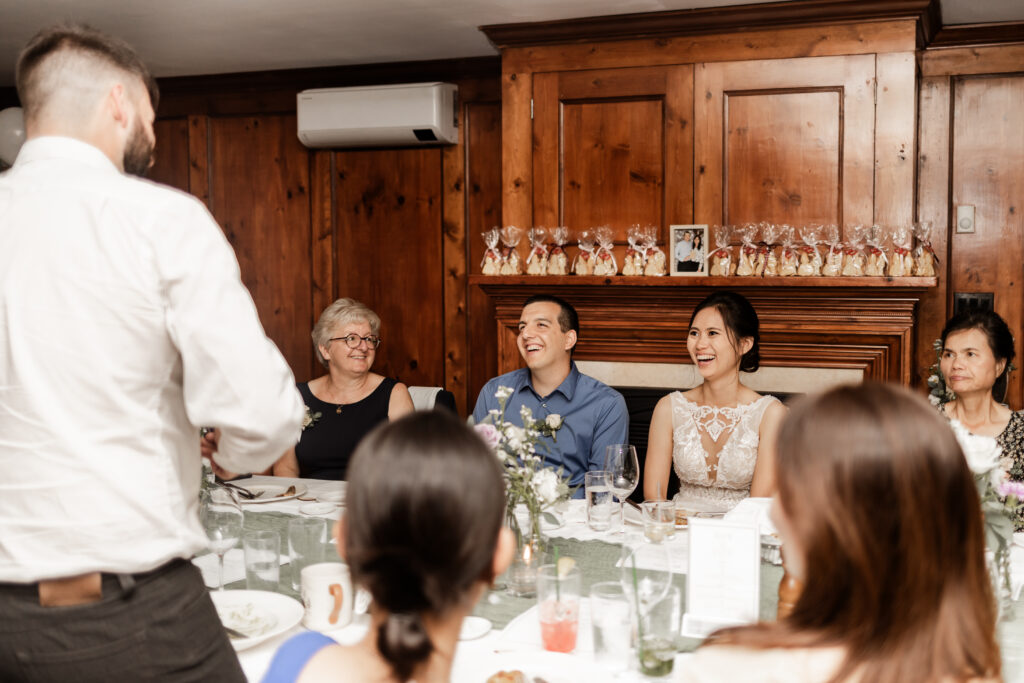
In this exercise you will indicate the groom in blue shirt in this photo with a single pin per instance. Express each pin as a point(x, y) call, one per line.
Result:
point(593, 414)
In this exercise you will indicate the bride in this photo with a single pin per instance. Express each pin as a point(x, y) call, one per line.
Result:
point(720, 435)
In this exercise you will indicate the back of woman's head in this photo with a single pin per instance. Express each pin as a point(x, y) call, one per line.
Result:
point(425, 507)
point(996, 331)
point(888, 521)
point(740, 320)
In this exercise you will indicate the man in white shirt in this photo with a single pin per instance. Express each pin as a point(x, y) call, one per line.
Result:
point(123, 326)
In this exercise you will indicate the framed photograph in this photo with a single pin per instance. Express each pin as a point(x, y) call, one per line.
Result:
point(689, 250)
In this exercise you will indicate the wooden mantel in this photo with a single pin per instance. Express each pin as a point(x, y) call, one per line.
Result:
point(861, 323)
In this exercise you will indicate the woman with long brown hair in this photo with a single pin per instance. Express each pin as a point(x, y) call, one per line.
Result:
point(881, 522)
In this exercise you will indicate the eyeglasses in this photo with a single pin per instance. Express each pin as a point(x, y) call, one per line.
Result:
point(352, 340)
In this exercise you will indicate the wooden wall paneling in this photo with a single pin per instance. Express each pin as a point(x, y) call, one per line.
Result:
point(171, 166)
point(483, 210)
point(547, 153)
point(973, 60)
point(988, 145)
point(259, 193)
point(678, 147)
point(516, 148)
point(933, 169)
point(764, 44)
point(389, 254)
point(895, 119)
point(783, 157)
point(199, 158)
point(323, 235)
point(455, 264)
point(715, 83)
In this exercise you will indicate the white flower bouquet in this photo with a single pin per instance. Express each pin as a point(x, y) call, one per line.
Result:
point(527, 479)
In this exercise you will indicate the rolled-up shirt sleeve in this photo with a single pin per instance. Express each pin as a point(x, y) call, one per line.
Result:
point(233, 377)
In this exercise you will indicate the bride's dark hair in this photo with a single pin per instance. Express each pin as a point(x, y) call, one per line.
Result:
point(425, 507)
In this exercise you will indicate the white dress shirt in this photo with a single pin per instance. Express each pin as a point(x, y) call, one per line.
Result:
point(124, 325)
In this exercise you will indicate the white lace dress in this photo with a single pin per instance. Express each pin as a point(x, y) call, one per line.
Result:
point(714, 451)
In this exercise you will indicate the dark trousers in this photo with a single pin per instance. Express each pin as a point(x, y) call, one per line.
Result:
point(164, 628)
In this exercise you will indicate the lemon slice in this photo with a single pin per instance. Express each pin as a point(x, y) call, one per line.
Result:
point(565, 565)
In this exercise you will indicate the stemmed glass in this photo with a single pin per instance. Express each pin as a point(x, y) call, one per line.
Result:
point(620, 460)
point(221, 515)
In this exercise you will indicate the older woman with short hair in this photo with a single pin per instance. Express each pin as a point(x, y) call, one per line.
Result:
point(349, 401)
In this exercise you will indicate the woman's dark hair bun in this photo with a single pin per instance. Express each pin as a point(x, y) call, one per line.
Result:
point(403, 642)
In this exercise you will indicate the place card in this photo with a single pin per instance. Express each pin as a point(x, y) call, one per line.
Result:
point(723, 586)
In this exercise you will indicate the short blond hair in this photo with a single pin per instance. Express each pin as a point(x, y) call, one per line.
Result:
point(342, 312)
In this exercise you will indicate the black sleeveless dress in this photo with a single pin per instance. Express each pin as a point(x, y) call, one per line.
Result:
point(326, 445)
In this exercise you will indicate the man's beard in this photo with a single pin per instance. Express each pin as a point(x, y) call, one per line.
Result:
point(138, 154)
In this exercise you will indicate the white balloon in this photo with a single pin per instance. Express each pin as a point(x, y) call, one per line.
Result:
point(12, 133)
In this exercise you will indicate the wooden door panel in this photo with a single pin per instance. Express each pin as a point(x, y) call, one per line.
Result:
point(258, 191)
point(988, 145)
point(782, 157)
point(613, 147)
point(389, 254)
point(809, 117)
point(613, 164)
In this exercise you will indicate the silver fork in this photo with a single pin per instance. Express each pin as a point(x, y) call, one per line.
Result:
point(245, 493)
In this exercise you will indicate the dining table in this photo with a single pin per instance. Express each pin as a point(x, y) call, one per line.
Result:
point(506, 635)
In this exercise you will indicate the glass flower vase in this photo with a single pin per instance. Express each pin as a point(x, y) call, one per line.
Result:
point(530, 553)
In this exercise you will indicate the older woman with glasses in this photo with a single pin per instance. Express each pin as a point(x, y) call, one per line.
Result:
point(349, 401)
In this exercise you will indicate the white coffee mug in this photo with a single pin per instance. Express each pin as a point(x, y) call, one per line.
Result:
point(327, 596)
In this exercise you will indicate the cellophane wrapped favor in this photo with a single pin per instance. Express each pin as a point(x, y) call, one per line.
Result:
point(510, 263)
point(656, 263)
point(583, 264)
point(605, 263)
point(558, 260)
point(924, 256)
point(853, 254)
point(491, 264)
point(788, 261)
point(834, 256)
point(746, 266)
point(721, 260)
point(537, 261)
point(770, 235)
point(810, 257)
point(634, 262)
point(901, 261)
point(875, 258)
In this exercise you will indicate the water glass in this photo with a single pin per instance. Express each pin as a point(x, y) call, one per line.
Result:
point(262, 560)
point(558, 600)
point(306, 541)
point(659, 520)
point(612, 625)
point(600, 502)
point(658, 632)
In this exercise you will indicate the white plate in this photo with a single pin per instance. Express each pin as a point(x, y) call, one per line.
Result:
point(277, 612)
point(336, 496)
point(272, 493)
point(474, 627)
point(318, 509)
point(553, 667)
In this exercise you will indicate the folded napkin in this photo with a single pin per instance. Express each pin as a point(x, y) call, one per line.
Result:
point(234, 566)
point(753, 511)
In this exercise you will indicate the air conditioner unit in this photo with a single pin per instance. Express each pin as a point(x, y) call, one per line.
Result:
point(379, 116)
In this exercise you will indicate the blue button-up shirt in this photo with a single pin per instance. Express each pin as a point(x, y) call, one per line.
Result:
point(593, 417)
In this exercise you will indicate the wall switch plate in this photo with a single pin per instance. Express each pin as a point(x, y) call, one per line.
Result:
point(965, 218)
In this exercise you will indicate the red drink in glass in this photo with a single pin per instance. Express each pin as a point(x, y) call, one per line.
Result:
point(558, 625)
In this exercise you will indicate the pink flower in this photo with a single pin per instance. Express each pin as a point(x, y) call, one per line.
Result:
point(1012, 488)
point(489, 433)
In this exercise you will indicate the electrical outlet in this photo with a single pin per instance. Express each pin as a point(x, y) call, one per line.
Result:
point(965, 218)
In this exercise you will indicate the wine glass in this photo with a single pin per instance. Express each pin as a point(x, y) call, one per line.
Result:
point(620, 461)
point(221, 515)
point(646, 577)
